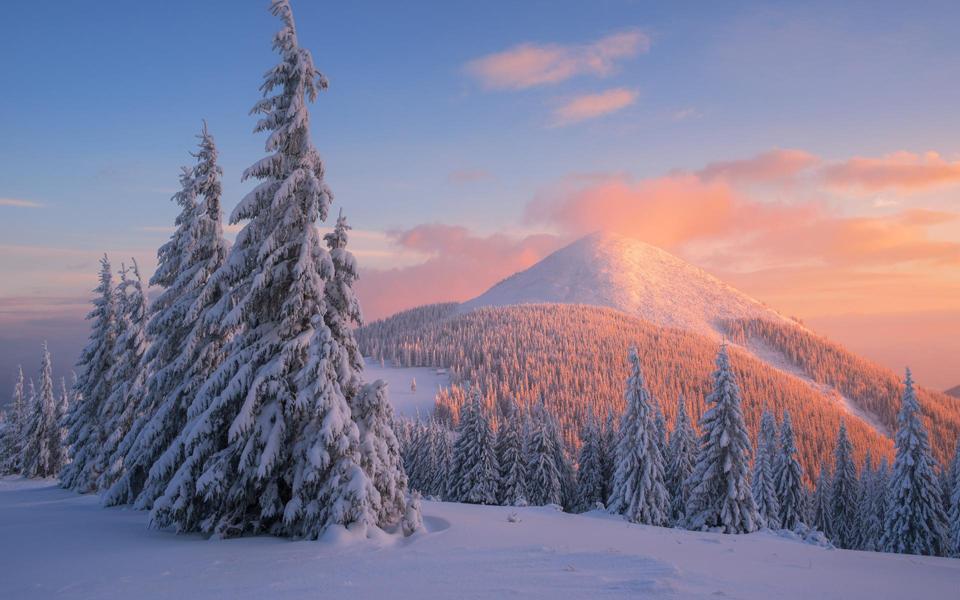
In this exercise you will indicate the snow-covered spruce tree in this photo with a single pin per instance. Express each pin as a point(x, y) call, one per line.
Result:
point(270, 444)
point(879, 500)
point(720, 496)
point(513, 467)
point(682, 451)
point(12, 434)
point(763, 485)
point(590, 485)
point(422, 458)
point(42, 454)
point(85, 432)
point(821, 516)
point(184, 350)
point(475, 475)
point(953, 529)
point(915, 521)
point(950, 478)
point(788, 478)
point(343, 308)
point(543, 476)
point(844, 493)
point(568, 479)
point(127, 374)
point(442, 449)
point(379, 449)
point(639, 492)
point(865, 538)
point(608, 447)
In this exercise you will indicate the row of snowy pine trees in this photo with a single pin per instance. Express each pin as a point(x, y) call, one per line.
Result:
point(234, 402)
point(31, 431)
point(718, 482)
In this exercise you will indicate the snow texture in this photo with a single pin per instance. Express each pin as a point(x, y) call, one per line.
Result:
point(57, 544)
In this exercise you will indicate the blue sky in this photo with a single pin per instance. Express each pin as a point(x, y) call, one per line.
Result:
point(101, 102)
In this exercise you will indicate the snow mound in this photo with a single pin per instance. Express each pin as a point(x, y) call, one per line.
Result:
point(606, 269)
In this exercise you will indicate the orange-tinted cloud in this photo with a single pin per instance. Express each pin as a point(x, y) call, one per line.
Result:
point(774, 165)
point(529, 65)
point(591, 106)
point(459, 266)
point(901, 171)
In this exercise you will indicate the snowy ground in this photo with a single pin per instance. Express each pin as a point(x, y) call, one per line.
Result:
point(56, 544)
point(406, 402)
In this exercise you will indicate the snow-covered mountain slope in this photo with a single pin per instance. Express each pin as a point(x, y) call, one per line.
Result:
point(605, 269)
point(56, 544)
point(954, 391)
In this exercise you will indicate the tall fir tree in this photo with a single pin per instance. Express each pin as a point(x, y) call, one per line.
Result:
point(590, 484)
point(510, 457)
point(868, 533)
point(821, 512)
point(788, 477)
point(915, 521)
point(442, 449)
point(608, 448)
point(720, 495)
point(682, 453)
point(12, 433)
point(543, 475)
point(127, 374)
point(568, 480)
point(185, 349)
point(953, 516)
point(763, 486)
point(844, 493)
point(475, 475)
point(85, 432)
point(380, 450)
point(639, 491)
point(271, 445)
point(42, 454)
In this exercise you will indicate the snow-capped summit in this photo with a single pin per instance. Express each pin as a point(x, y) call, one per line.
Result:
point(611, 270)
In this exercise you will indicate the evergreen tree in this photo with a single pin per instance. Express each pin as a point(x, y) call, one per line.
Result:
point(951, 478)
point(788, 477)
point(870, 528)
point(42, 455)
point(343, 308)
point(915, 521)
point(844, 493)
point(475, 475)
point(380, 450)
point(510, 457)
point(880, 500)
point(953, 530)
point(270, 444)
point(12, 433)
point(85, 432)
point(185, 347)
point(568, 481)
point(608, 449)
point(589, 466)
point(720, 494)
point(639, 492)
point(682, 452)
point(543, 476)
point(442, 449)
point(763, 486)
point(127, 374)
point(821, 515)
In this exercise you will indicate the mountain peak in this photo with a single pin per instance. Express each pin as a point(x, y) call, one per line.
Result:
point(616, 271)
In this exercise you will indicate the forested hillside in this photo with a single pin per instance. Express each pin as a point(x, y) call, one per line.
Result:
point(872, 387)
point(573, 357)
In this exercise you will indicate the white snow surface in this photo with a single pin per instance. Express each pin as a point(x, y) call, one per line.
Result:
point(405, 402)
point(607, 269)
point(57, 544)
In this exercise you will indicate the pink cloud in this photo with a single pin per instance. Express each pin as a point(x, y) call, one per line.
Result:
point(774, 165)
point(591, 106)
point(905, 172)
point(19, 203)
point(460, 265)
point(528, 65)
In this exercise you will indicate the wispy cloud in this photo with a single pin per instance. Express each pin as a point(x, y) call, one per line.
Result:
point(902, 171)
point(528, 65)
point(20, 203)
point(591, 106)
point(469, 176)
